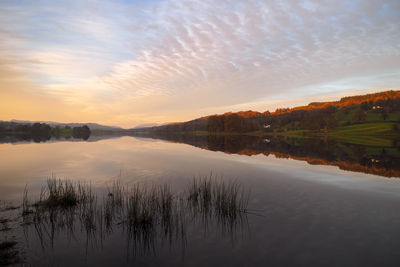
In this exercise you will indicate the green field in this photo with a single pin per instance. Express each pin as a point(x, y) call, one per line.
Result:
point(368, 129)
point(376, 117)
point(372, 134)
point(371, 116)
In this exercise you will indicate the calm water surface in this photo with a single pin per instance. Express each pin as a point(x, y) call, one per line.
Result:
point(305, 215)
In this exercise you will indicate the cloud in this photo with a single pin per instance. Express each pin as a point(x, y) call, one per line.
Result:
point(172, 60)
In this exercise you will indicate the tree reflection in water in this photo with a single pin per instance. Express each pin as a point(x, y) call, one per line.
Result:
point(374, 156)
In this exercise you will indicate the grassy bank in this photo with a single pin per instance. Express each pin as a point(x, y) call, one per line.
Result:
point(368, 129)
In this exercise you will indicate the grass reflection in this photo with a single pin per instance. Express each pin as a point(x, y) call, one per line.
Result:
point(147, 215)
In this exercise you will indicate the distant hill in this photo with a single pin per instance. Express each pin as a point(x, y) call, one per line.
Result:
point(383, 107)
point(145, 125)
point(347, 101)
point(92, 126)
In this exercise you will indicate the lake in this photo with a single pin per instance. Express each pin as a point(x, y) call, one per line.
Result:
point(311, 202)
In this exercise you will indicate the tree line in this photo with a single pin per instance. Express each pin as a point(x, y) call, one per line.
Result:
point(322, 116)
point(39, 132)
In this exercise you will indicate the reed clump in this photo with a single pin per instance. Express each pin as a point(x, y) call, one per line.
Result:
point(209, 195)
point(63, 194)
point(146, 212)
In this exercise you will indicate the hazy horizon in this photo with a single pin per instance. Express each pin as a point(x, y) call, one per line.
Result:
point(130, 63)
point(279, 104)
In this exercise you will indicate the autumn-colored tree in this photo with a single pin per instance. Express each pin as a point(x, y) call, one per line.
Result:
point(216, 123)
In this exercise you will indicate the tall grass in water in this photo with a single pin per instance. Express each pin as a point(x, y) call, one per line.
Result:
point(25, 203)
point(148, 213)
point(214, 198)
point(60, 204)
point(208, 194)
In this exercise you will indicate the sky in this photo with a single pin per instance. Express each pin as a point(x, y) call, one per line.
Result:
point(129, 63)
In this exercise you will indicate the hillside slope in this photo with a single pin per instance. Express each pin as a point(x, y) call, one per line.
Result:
point(381, 109)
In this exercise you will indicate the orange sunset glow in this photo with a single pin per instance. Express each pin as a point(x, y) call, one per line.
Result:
point(128, 63)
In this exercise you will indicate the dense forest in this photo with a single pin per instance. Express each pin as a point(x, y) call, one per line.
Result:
point(40, 132)
point(381, 107)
